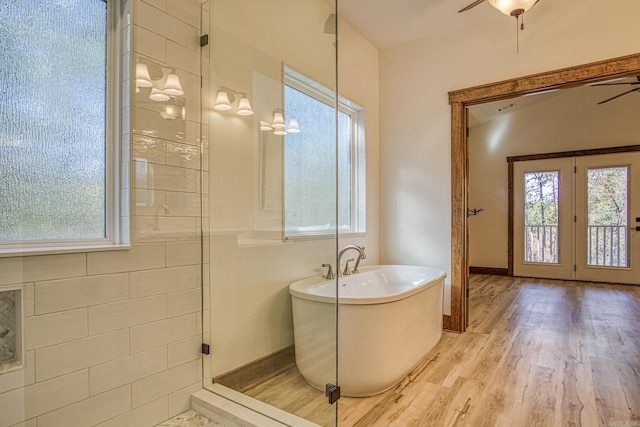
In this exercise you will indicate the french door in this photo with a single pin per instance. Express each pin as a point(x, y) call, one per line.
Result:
point(578, 218)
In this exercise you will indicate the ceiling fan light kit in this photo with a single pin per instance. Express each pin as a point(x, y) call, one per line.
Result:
point(512, 7)
point(515, 8)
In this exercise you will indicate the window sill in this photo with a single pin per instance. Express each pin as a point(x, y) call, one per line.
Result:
point(56, 250)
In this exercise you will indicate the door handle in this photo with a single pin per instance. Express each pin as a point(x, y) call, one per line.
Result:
point(635, 228)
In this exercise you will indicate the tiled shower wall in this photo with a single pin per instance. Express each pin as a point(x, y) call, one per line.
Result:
point(113, 338)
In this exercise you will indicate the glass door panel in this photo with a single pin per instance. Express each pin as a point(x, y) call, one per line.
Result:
point(542, 218)
point(253, 132)
point(607, 208)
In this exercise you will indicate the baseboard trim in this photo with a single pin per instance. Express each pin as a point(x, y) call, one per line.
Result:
point(258, 371)
point(446, 322)
point(489, 270)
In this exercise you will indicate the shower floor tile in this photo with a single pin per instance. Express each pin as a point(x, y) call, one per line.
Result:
point(189, 418)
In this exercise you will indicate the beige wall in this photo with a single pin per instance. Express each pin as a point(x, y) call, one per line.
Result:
point(113, 338)
point(415, 115)
point(556, 122)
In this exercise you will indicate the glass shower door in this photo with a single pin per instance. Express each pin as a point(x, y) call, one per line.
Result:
point(270, 221)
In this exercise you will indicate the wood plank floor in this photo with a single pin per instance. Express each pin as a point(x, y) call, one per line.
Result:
point(537, 353)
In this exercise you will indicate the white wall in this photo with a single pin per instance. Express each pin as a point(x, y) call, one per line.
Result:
point(557, 122)
point(415, 116)
point(113, 338)
point(251, 268)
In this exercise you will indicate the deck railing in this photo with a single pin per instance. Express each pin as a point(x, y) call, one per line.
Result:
point(607, 244)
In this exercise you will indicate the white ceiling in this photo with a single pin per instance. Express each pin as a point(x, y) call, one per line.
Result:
point(387, 23)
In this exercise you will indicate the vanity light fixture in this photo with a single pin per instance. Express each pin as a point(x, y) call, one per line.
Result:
point(278, 124)
point(293, 126)
point(225, 99)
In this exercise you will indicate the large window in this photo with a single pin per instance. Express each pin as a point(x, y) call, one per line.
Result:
point(310, 160)
point(57, 139)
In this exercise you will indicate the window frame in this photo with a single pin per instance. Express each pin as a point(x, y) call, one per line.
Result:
point(117, 231)
point(320, 93)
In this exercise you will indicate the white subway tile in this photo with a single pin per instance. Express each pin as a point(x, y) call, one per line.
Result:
point(162, 332)
point(183, 253)
point(186, 11)
point(181, 352)
point(149, 122)
point(182, 155)
point(183, 204)
point(90, 411)
point(180, 401)
point(164, 383)
point(150, 44)
point(173, 178)
point(183, 56)
point(21, 377)
point(123, 314)
point(33, 422)
point(67, 294)
point(37, 399)
point(148, 203)
point(139, 257)
point(43, 267)
point(127, 370)
point(163, 229)
point(162, 281)
point(149, 149)
point(160, 4)
point(148, 415)
point(29, 305)
point(64, 358)
point(184, 302)
point(50, 329)
point(161, 23)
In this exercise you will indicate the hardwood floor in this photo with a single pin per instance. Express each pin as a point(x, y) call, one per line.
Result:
point(537, 353)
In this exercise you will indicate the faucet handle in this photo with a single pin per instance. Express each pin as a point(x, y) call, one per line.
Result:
point(347, 270)
point(330, 274)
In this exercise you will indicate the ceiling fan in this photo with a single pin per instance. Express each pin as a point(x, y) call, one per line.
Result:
point(636, 89)
point(508, 7)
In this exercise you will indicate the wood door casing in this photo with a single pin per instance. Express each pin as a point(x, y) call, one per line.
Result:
point(459, 101)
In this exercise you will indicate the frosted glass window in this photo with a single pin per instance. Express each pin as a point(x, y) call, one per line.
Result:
point(53, 80)
point(310, 164)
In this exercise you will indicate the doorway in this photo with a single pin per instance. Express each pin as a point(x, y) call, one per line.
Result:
point(574, 217)
point(459, 101)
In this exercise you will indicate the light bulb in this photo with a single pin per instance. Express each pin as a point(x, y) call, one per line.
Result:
point(244, 107)
point(278, 121)
point(293, 126)
point(223, 103)
point(142, 75)
point(158, 95)
point(173, 87)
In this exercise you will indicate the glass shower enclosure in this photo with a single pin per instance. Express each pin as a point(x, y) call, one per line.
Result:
point(269, 79)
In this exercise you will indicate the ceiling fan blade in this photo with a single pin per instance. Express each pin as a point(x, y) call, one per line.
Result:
point(618, 96)
point(472, 5)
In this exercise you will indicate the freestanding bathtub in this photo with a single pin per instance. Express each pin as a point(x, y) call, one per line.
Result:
point(390, 317)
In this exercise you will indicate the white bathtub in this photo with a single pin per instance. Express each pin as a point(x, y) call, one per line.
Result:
point(390, 317)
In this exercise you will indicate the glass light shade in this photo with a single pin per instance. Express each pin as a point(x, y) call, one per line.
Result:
point(279, 132)
point(223, 103)
point(173, 87)
point(278, 121)
point(265, 126)
point(158, 95)
point(293, 126)
point(142, 75)
point(244, 107)
point(509, 6)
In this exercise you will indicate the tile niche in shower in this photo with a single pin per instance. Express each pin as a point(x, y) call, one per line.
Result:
point(10, 329)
